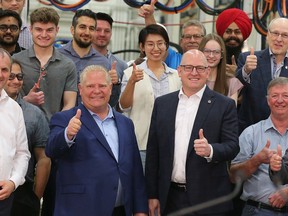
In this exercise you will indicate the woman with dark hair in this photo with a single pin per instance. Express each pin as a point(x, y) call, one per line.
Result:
point(143, 83)
point(213, 48)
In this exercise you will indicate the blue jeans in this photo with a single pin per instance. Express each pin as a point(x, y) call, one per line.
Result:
point(249, 210)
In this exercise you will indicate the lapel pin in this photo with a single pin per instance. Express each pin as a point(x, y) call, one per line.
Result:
point(209, 101)
point(286, 67)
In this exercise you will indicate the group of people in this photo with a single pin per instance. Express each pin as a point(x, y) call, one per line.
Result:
point(180, 135)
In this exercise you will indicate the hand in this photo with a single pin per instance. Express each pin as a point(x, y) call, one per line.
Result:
point(137, 74)
point(201, 145)
point(154, 205)
point(34, 96)
point(251, 62)
point(278, 199)
point(113, 73)
point(265, 154)
point(74, 125)
point(7, 187)
point(276, 160)
point(231, 69)
point(147, 10)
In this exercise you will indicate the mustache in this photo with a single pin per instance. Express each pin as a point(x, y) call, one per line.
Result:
point(233, 38)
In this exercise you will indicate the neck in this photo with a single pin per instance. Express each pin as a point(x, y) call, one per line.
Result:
point(43, 51)
point(8, 48)
point(102, 50)
point(213, 74)
point(154, 64)
point(80, 51)
point(280, 122)
point(279, 58)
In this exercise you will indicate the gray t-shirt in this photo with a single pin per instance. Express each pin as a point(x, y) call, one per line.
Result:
point(60, 76)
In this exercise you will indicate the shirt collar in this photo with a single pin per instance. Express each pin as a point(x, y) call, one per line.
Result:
point(3, 95)
point(198, 94)
point(109, 115)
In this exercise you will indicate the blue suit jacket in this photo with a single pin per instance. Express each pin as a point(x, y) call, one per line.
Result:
point(205, 181)
point(254, 107)
point(88, 173)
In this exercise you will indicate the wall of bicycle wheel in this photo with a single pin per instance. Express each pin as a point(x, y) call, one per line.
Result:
point(128, 24)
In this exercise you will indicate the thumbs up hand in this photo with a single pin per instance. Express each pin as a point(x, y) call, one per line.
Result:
point(231, 69)
point(201, 145)
point(276, 160)
point(137, 74)
point(251, 62)
point(34, 96)
point(265, 154)
point(113, 73)
point(74, 125)
point(147, 10)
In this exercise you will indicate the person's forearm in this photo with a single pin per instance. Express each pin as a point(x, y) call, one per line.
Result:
point(126, 99)
point(42, 175)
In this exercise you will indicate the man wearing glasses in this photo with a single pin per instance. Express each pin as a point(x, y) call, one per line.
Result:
point(10, 24)
point(14, 154)
point(25, 39)
point(192, 159)
point(27, 196)
point(256, 69)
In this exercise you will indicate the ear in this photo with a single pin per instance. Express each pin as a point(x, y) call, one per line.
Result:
point(72, 30)
point(141, 46)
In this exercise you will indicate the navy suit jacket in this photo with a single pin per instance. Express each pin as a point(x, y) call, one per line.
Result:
point(88, 173)
point(205, 181)
point(254, 106)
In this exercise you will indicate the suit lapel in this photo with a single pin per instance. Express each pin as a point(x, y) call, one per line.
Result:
point(264, 62)
point(171, 118)
point(88, 121)
point(284, 69)
point(205, 106)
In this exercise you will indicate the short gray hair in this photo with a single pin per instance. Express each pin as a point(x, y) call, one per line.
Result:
point(194, 23)
point(278, 81)
point(97, 69)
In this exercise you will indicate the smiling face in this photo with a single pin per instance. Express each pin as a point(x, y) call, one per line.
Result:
point(278, 100)
point(233, 36)
point(193, 81)
point(278, 44)
point(154, 47)
point(188, 42)
point(213, 53)
point(9, 37)
point(44, 34)
point(84, 31)
point(102, 35)
point(95, 91)
point(14, 86)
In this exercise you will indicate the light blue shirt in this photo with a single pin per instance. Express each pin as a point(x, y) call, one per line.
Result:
point(252, 140)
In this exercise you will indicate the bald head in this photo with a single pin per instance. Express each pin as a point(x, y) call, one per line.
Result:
point(187, 56)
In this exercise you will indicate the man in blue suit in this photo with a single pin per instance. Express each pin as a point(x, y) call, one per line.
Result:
point(256, 69)
point(193, 134)
point(99, 166)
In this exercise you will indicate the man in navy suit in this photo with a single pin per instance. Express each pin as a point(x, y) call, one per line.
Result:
point(193, 134)
point(256, 69)
point(99, 166)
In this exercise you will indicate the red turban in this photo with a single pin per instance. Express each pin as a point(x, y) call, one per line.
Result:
point(234, 15)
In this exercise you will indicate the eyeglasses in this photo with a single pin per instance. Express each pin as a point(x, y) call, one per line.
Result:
point(190, 68)
point(194, 36)
point(41, 77)
point(161, 45)
point(212, 52)
point(277, 34)
point(235, 31)
point(19, 76)
point(13, 28)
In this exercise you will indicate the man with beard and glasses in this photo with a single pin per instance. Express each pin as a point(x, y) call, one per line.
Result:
point(10, 25)
point(25, 38)
point(80, 49)
point(234, 26)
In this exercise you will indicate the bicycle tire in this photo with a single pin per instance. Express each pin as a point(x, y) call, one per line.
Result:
point(212, 11)
point(69, 7)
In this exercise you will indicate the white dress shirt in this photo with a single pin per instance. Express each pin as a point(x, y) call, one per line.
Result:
point(185, 117)
point(14, 154)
